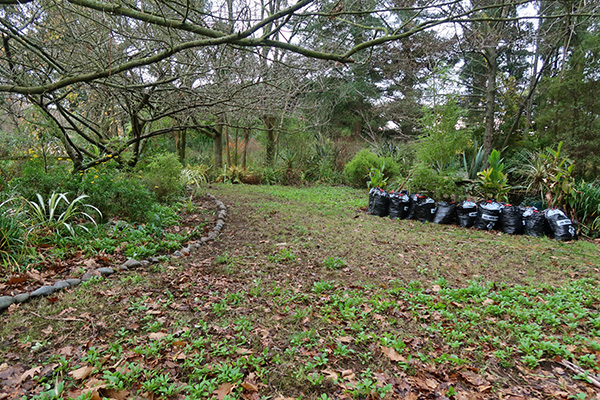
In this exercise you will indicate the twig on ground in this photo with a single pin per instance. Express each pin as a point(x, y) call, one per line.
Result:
point(589, 378)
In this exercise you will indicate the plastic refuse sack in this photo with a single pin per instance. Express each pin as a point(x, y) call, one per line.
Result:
point(446, 213)
point(399, 204)
point(422, 208)
point(534, 222)
point(379, 201)
point(511, 220)
point(561, 226)
point(371, 200)
point(466, 211)
point(488, 215)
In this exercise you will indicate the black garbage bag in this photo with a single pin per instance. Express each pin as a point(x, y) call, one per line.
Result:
point(371, 200)
point(561, 226)
point(466, 212)
point(534, 222)
point(511, 220)
point(379, 201)
point(488, 215)
point(422, 208)
point(399, 204)
point(445, 213)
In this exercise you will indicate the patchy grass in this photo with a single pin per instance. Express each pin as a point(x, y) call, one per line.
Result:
point(304, 295)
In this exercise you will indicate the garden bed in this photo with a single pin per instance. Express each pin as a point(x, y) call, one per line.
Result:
point(110, 245)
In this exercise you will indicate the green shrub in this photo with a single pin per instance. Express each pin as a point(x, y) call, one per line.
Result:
point(35, 179)
point(436, 184)
point(115, 193)
point(161, 175)
point(357, 170)
point(586, 206)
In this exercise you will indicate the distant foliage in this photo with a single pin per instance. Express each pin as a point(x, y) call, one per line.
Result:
point(444, 138)
point(358, 169)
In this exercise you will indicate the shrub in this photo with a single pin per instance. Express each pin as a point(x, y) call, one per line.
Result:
point(586, 206)
point(357, 170)
point(438, 185)
point(116, 193)
point(35, 179)
point(161, 175)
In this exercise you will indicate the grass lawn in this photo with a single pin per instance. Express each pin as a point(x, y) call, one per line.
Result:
point(306, 296)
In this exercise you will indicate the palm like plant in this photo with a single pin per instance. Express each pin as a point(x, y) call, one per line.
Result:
point(493, 181)
point(48, 214)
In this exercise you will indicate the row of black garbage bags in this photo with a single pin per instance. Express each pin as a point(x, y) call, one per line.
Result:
point(514, 220)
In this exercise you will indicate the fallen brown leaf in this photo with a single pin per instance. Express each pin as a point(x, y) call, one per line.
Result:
point(488, 302)
point(81, 373)
point(30, 373)
point(157, 335)
point(223, 390)
point(250, 386)
point(392, 354)
point(115, 394)
point(473, 378)
point(330, 374)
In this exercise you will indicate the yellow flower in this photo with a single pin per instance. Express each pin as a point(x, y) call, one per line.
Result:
point(95, 176)
point(155, 187)
point(67, 159)
point(92, 182)
point(60, 158)
point(110, 155)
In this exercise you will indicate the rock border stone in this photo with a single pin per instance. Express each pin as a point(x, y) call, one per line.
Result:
point(7, 301)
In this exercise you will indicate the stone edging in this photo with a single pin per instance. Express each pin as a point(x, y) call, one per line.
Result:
point(7, 301)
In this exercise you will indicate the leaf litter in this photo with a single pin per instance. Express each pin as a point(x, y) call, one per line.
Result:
point(228, 321)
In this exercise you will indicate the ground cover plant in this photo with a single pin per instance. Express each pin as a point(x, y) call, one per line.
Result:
point(305, 296)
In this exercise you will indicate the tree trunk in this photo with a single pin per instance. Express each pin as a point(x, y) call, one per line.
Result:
point(245, 150)
point(227, 147)
point(270, 147)
point(490, 100)
point(218, 145)
point(181, 143)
